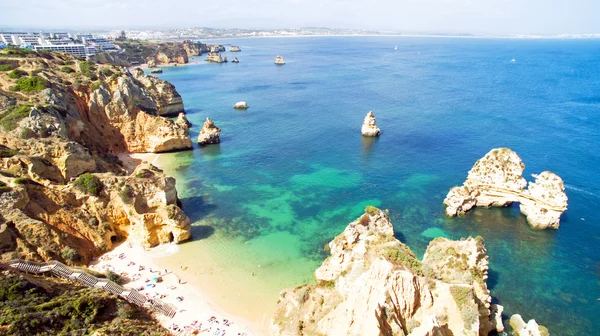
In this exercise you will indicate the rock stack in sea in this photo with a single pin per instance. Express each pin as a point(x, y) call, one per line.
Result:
point(216, 48)
point(531, 328)
point(214, 57)
point(210, 133)
point(497, 180)
point(235, 60)
point(234, 49)
point(369, 127)
point(372, 284)
point(279, 60)
point(242, 105)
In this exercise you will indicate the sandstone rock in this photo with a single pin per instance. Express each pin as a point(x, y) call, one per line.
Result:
point(166, 54)
point(214, 57)
point(215, 48)
point(234, 49)
point(142, 206)
point(497, 180)
point(279, 60)
point(235, 60)
point(194, 48)
point(168, 100)
point(531, 328)
point(210, 133)
point(182, 121)
point(156, 70)
point(369, 128)
point(372, 284)
point(240, 105)
point(109, 58)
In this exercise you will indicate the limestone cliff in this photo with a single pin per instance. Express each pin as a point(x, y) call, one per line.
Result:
point(214, 57)
point(209, 134)
point(194, 48)
point(168, 100)
point(372, 284)
point(75, 223)
point(369, 126)
point(53, 137)
point(168, 53)
point(497, 180)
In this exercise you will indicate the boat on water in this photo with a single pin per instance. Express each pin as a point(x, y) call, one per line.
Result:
point(279, 60)
point(395, 48)
point(513, 60)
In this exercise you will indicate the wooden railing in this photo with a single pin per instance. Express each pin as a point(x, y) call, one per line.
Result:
point(59, 269)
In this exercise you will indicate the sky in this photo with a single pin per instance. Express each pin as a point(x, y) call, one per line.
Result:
point(427, 16)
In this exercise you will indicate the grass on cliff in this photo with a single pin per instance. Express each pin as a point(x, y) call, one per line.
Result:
point(10, 119)
point(30, 84)
point(17, 73)
point(49, 307)
point(6, 152)
point(463, 296)
point(89, 183)
point(4, 188)
point(403, 256)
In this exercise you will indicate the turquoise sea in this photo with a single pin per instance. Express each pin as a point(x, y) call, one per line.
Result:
point(293, 170)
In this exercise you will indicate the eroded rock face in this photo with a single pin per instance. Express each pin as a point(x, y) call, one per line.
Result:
point(210, 133)
point(194, 48)
point(531, 328)
point(234, 49)
point(372, 284)
point(369, 128)
point(49, 219)
point(497, 180)
point(214, 57)
point(279, 60)
point(168, 100)
point(167, 54)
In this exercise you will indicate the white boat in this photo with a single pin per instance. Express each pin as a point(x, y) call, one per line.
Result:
point(513, 60)
point(395, 48)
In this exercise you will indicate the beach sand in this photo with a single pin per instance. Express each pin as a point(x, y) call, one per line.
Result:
point(195, 311)
point(132, 160)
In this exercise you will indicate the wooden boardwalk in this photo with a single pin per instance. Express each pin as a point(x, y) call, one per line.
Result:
point(59, 269)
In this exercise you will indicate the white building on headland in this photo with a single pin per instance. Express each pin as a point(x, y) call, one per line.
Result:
point(75, 49)
point(82, 45)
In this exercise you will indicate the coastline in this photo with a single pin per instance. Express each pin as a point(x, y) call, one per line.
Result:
point(194, 312)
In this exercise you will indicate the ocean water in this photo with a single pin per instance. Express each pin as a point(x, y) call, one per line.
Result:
point(293, 170)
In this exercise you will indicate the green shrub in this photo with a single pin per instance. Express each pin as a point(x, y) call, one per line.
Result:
point(107, 72)
point(67, 69)
point(144, 173)
point(87, 69)
point(22, 180)
point(17, 73)
point(371, 210)
point(6, 152)
point(70, 254)
point(30, 84)
point(10, 119)
point(126, 194)
point(13, 88)
point(8, 66)
point(401, 255)
point(89, 183)
point(18, 52)
point(4, 188)
point(95, 86)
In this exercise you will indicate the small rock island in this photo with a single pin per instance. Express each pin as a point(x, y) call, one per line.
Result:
point(235, 60)
point(497, 180)
point(215, 57)
point(234, 49)
point(241, 105)
point(279, 60)
point(210, 133)
point(369, 128)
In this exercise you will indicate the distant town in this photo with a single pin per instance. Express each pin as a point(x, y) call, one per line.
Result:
point(89, 43)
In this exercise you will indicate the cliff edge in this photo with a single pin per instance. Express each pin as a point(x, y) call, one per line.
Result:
point(372, 284)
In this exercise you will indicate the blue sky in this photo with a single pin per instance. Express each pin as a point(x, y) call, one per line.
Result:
point(449, 16)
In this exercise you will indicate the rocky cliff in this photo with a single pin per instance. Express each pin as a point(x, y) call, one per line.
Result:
point(168, 53)
point(194, 48)
point(214, 57)
point(372, 284)
point(497, 180)
point(530, 328)
point(168, 100)
point(210, 133)
point(65, 195)
point(369, 126)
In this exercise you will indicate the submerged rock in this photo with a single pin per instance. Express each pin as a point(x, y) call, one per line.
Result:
point(497, 180)
point(372, 284)
point(369, 128)
point(240, 105)
point(279, 60)
point(210, 133)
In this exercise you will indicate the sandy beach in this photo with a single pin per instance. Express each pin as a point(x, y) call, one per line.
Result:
point(195, 313)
